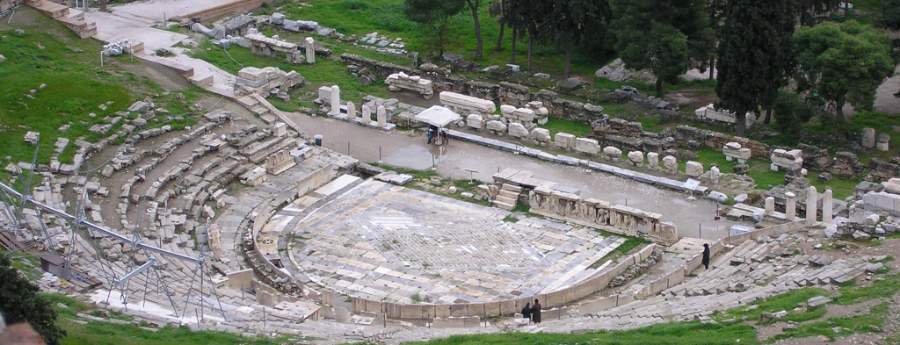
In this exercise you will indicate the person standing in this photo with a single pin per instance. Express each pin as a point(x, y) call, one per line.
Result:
point(526, 312)
point(706, 255)
point(536, 311)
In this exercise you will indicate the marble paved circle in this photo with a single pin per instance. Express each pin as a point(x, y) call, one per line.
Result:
point(384, 242)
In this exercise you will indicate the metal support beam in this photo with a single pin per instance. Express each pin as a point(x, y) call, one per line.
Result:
point(150, 263)
point(108, 232)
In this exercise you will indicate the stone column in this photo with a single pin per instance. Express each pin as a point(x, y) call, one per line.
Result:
point(310, 50)
point(381, 115)
point(790, 206)
point(335, 101)
point(770, 205)
point(351, 110)
point(366, 113)
point(826, 207)
point(653, 160)
point(812, 204)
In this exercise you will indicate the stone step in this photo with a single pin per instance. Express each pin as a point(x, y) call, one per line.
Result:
point(504, 205)
point(511, 187)
point(509, 194)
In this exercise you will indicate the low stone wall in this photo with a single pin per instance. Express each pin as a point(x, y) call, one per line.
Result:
point(500, 93)
point(618, 219)
point(554, 302)
point(716, 140)
point(230, 8)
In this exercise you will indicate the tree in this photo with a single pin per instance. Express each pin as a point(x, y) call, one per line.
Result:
point(841, 63)
point(808, 9)
point(474, 6)
point(435, 15)
point(572, 22)
point(791, 113)
point(754, 56)
point(498, 10)
point(890, 14)
point(666, 36)
point(20, 302)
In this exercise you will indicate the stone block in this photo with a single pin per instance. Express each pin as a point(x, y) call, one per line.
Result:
point(693, 169)
point(564, 141)
point(734, 151)
point(517, 130)
point(884, 142)
point(789, 160)
point(636, 157)
point(541, 135)
point(612, 152)
point(868, 137)
point(474, 121)
point(587, 146)
point(652, 160)
point(670, 164)
point(496, 126)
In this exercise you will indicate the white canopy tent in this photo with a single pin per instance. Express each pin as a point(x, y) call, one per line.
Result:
point(438, 116)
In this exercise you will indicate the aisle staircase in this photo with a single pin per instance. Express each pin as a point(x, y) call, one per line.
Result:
point(508, 196)
point(72, 18)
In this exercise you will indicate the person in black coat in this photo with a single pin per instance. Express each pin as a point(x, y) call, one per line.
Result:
point(706, 255)
point(536, 311)
point(526, 311)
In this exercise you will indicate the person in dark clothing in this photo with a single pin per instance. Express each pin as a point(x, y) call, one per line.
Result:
point(706, 255)
point(536, 311)
point(526, 311)
point(430, 134)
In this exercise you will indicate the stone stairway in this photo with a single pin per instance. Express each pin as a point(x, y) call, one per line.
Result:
point(255, 104)
point(508, 196)
point(72, 18)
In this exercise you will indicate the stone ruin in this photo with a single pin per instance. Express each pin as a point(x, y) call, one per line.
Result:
point(786, 160)
point(875, 215)
point(711, 114)
point(266, 81)
point(467, 104)
point(401, 81)
point(274, 46)
point(733, 151)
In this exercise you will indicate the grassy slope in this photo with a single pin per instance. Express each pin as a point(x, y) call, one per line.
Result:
point(76, 85)
point(387, 17)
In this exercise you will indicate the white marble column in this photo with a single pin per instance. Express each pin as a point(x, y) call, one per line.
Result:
point(812, 204)
point(310, 50)
point(826, 207)
point(381, 115)
point(335, 101)
point(351, 110)
point(770, 205)
point(790, 206)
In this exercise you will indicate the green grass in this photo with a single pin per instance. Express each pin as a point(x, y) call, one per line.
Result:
point(885, 287)
point(688, 333)
point(324, 72)
point(28, 264)
point(574, 127)
point(76, 86)
point(387, 17)
point(786, 301)
point(840, 326)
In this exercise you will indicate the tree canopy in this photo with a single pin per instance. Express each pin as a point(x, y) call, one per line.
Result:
point(665, 36)
point(842, 62)
point(20, 302)
point(434, 14)
point(754, 55)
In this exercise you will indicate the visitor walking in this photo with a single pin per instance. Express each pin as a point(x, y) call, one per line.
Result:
point(536, 311)
point(526, 312)
point(706, 255)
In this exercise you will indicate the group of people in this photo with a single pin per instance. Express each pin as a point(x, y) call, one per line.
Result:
point(532, 312)
point(437, 136)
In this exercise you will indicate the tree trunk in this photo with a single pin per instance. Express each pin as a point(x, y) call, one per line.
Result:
point(740, 122)
point(530, 50)
point(473, 7)
point(515, 39)
point(103, 4)
point(840, 111)
point(768, 116)
point(500, 37)
point(568, 67)
point(441, 33)
point(659, 87)
point(712, 68)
